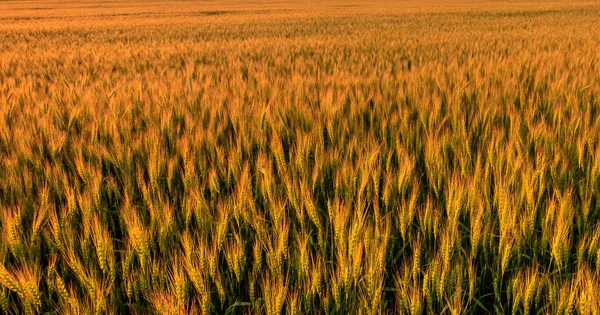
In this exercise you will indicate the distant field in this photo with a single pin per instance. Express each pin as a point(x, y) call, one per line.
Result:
point(338, 157)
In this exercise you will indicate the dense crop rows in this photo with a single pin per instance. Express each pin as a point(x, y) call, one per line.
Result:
point(345, 159)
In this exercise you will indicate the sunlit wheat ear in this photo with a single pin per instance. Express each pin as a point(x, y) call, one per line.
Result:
point(104, 247)
point(402, 286)
point(195, 266)
point(294, 306)
point(162, 302)
point(178, 283)
point(40, 216)
point(264, 176)
point(293, 196)
point(143, 186)
point(11, 234)
point(458, 297)
point(214, 183)
point(407, 213)
point(25, 283)
point(213, 258)
point(506, 252)
point(300, 154)
point(598, 259)
point(416, 300)
point(560, 245)
point(355, 246)
point(8, 280)
point(235, 256)
point(275, 293)
point(416, 265)
point(139, 236)
point(61, 288)
point(581, 252)
point(282, 243)
point(386, 194)
point(343, 271)
point(257, 255)
point(529, 288)
point(440, 280)
point(303, 255)
point(5, 305)
point(339, 215)
point(567, 298)
point(81, 273)
point(476, 226)
point(310, 206)
point(316, 277)
point(588, 282)
point(204, 217)
point(166, 227)
point(448, 246)
point(222, 225)
point(71, 202)
point(278, 154)
point(561, 235)
point(375, 303)
point(81, 167)
point(337, 288)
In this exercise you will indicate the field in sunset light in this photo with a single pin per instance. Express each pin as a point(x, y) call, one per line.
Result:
point(299, 157)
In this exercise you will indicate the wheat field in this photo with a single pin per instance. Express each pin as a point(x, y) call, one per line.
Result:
point(308, 157)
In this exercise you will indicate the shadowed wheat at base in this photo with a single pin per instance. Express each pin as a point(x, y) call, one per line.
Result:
point(308, 157)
